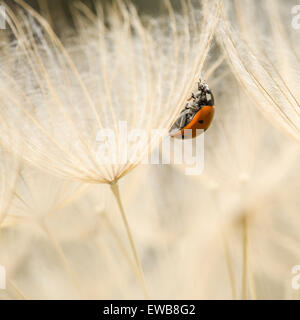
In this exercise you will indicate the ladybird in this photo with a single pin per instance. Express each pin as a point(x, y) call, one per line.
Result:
point(197, 114)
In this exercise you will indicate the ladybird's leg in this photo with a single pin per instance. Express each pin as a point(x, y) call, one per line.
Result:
point(191, 97)
point(176, 125)
point(189, 117)
point(211, 101)
point(182, 121)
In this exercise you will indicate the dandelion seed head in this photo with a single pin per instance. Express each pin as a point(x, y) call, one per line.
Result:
point(115, 69)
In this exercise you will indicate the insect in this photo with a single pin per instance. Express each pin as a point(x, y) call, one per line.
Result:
point(197, 114)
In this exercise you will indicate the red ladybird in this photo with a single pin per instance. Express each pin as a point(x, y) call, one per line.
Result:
point(197, 114)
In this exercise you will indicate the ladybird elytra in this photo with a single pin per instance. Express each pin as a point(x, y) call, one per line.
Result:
point(201, 120)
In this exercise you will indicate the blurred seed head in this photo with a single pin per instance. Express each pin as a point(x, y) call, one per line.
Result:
point(262, 50)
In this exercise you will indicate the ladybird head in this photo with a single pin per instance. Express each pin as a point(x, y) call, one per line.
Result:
point(202, 85)
point(204, 89)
